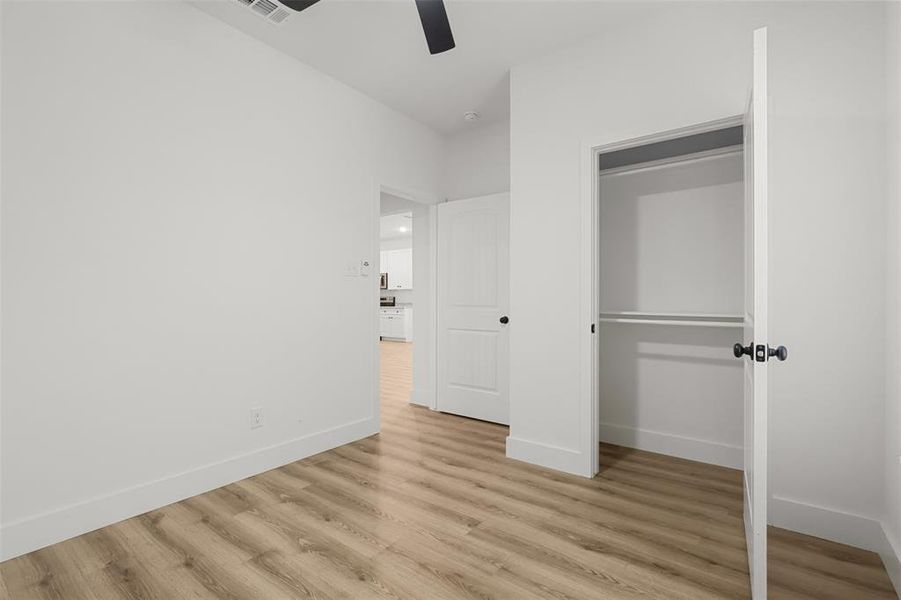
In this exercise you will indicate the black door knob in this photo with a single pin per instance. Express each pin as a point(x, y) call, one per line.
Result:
point(738, 350)
point(505, 319)
point(781, 352)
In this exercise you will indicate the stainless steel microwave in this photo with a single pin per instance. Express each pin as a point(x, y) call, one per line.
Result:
point(383, 282)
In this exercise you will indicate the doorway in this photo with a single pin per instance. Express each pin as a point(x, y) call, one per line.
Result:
point(397, 302)
point(458, 306)
point(677, 242)
point(752, 342)
point(671, 296)
point(403, 312)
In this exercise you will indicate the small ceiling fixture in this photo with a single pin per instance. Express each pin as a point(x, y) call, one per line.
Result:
point(471, 115)
point(402, 229)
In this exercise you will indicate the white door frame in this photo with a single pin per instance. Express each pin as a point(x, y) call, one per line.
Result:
point(589, 289)
point(431, 387)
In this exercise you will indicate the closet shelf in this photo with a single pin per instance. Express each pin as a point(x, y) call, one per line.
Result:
point(679, 319)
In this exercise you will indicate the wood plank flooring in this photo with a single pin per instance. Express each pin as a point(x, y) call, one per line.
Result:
point(430, 509)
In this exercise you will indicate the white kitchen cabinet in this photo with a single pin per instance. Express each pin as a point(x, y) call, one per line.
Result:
point(396, 323)
point(399, 266)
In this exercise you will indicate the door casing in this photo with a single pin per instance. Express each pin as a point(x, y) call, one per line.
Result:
point(589, 337)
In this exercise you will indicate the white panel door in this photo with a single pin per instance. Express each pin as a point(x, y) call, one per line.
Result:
point(473, 300)
point(755, 349)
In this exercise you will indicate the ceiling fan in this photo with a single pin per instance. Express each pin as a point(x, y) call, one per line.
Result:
point(431, 13)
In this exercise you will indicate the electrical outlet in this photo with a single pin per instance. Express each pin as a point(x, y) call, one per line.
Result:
point(256, 418)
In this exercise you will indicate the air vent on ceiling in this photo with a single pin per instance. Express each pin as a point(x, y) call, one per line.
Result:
point(279, 15)
point(264, 7)
point(270, 10)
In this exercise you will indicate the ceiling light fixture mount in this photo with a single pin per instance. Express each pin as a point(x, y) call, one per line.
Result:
point(471, 115)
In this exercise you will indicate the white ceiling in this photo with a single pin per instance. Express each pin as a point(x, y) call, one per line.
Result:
point(377, 47)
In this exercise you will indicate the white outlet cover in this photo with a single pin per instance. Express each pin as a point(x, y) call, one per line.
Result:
point(256, 418)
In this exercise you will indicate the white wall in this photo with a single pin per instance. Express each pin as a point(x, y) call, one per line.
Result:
point(827, 246)
point(667, 238)
point(177, 215)
point(668, 245)
point(477, 161)
point(892, 523)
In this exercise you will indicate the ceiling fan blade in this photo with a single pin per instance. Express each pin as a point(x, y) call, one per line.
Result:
point(298, 5)
point(435, 25)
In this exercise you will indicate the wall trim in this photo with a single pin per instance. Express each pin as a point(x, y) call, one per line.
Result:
point(827, 523)
point(39, 531)
point(891, 558)
point(422, 397)
point(545, 455)
point(715, 453)
point(842, 527)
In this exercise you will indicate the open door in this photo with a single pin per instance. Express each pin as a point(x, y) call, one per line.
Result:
point(755, 345)
point(473, 300)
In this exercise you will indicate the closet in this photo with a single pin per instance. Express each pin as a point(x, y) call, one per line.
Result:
point(671, 296)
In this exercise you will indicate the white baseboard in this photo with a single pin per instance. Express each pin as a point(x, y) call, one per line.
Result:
point(891, 558)
point(544, 455)
point(39, 531)
point(673, 445)
point(421, 398)
point(842, 527)
point(827, 523)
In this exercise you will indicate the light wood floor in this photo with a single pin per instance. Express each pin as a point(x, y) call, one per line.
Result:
point(431, 509)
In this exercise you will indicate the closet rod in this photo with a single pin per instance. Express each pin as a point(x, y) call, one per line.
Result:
point(682, 323)
point(658, 318)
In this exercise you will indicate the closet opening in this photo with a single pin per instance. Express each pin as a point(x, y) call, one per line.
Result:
point(670, 294)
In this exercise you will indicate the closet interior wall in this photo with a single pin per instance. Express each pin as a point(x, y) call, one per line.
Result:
point(671, 302)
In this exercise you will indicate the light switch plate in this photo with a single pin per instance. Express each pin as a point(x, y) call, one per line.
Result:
point(351, 269)
point(365, 268)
